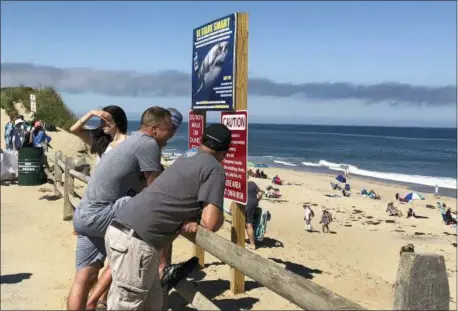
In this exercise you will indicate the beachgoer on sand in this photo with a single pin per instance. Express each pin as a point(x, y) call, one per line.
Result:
point(111, 131)
point(436, 192)
point(449, 219)
point(254, 195)
point(411, 213)
point(392, 210)
point(121, 174)
point(189, 192)
point(308, 216)
point(99, 293)
point(9, 133)
point(326, 219)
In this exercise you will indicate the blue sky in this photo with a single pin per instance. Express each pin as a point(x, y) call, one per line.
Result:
point(290, 42)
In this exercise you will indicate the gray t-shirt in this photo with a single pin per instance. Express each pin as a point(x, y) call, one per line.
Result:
point(253, 190)
point(175, 196)
point(120, 172)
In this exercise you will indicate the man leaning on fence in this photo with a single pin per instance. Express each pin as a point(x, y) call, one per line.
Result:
point(192, 188)
point(120, 175)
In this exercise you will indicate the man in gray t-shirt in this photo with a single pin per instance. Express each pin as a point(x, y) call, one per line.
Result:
point(191, 188)
point(120, 175)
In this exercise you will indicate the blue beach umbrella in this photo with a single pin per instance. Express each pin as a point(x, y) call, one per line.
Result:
point(341, 179)
point(410, 196)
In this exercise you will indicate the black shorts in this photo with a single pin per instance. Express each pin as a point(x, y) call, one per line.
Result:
point(249, 214)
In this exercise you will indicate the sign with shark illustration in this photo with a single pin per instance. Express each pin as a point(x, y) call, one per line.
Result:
point(213, 66)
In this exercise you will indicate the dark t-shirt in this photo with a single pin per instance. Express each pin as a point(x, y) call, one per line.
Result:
point(253, 190)
point(175, 196)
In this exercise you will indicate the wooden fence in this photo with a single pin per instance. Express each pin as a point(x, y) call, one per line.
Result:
point(421, 282)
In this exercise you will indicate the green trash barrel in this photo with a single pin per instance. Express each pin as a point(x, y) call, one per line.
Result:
point(30, 164)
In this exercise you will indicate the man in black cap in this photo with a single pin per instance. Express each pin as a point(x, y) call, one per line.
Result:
point(191, 188)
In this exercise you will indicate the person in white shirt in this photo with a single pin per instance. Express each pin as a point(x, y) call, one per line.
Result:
point(436, 192)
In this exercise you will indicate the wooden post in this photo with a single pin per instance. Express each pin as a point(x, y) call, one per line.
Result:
point(421, 283)
point(57, 173)
point(241, 93)
point(197, 251)
point(68, 188)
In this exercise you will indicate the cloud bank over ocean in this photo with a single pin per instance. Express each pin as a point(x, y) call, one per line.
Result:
point(175, 83)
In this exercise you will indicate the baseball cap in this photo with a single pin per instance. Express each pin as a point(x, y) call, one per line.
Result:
point(217, 137)
point(18, 121)
point(176, 116)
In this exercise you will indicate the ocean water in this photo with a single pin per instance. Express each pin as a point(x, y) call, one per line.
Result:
point(422, 156)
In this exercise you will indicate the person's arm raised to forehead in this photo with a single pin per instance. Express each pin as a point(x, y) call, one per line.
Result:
point(148, 154)
point(211, 195)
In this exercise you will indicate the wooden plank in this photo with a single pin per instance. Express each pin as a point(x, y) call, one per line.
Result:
point(61, 164)
point(58, 190)
point(421, 283)
point(237, 279)
point(74, 201)
point(295, 288)
point(68, 189)
point(197, 251)
point(195, 298)
point(79, 176)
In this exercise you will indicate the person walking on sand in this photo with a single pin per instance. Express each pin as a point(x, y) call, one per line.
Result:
point(436, 192)
point(308, 216)
point(9, 134)
point(254, 195)
point(120, 175)
point(189, 192)
point(98, 297)
point(111, 131)
point(326, 219)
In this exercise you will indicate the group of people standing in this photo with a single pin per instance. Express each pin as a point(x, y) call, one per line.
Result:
point(19, 133)
point(133, 209)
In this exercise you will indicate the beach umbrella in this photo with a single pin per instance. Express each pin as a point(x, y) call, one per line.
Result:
point(341, 179)
point(410, 196)
point(251, 164)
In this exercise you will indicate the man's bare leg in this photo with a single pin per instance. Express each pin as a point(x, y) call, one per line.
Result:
point(250, 232)
point(84, 280)
point(100, 290)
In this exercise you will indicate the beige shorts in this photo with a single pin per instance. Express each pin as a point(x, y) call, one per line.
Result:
point(134, 264)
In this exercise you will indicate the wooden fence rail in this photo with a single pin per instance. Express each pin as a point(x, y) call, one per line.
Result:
point(421, 283)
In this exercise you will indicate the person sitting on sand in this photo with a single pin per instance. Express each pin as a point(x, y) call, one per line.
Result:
point(263, 176)
point(346, 193)
point(111, 131)
point(308, 216)
point(411, 213)
point(449, 220)
point(277, 180)
point(392, 210)
point(326, 219)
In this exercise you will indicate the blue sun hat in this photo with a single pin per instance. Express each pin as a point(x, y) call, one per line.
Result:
point(176, 116)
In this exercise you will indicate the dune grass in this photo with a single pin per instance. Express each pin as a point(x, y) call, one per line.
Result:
point(50, 105)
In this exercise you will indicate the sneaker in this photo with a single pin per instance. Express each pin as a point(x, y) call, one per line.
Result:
point(176, 272)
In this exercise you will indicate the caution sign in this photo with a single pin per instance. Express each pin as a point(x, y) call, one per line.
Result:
point(235, 163)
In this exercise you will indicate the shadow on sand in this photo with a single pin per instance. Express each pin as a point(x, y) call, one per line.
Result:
point(297, 268)
point(15, 278)
point(212, 289)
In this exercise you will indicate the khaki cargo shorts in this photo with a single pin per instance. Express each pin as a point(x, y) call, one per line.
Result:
point(134, 264)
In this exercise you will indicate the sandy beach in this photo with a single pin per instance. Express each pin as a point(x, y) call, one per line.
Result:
point(358, 261)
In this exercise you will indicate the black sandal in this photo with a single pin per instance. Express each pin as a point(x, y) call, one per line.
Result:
point(176, 272)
